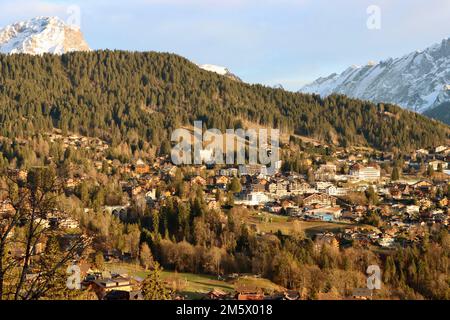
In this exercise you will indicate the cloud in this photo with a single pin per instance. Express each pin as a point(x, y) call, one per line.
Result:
point(12, 11)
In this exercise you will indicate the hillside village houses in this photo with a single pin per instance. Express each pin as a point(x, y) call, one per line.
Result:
point(331, 190)
point(260, 188)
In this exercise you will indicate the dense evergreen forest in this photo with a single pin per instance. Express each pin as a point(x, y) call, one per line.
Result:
point(440, 113)
point(138, 97)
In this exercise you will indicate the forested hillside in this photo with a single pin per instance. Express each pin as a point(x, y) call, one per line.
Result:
point(137, 97)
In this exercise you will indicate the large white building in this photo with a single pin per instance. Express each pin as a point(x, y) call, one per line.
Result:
point(254, 199)
point(365, 173)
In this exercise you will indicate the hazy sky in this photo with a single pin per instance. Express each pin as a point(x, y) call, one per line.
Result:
point(288, 42)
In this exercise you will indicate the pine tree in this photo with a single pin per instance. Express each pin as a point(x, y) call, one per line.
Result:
point(372, 196)
point(99, 261)
point(235, 185)
point(430, 171)
point(153, 287)
point(395, 176)
point(390, 271)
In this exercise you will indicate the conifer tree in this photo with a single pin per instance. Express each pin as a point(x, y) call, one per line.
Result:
point(153, 287)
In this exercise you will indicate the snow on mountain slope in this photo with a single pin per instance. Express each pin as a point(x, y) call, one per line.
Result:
point(41, 35)
point(417, 81)
point(219, 70)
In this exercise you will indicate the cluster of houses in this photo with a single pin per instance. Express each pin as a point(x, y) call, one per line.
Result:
point(323, 194)
point(78, 142)
point(54, 219)
point(404, 206)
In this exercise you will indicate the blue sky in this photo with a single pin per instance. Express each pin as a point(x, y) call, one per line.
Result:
point(288, 42)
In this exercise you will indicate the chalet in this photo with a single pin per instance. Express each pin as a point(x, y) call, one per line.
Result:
point(386, 241)
point(103, 286)
point(320, 199)
point(231, 172)
point(68, 223)
point(294, 211)
point(424, 186)
point(253, 169)
point(326, 238)
point(422, 152)
point(440, 149)
point(322, 186)
point(249, 296)
point(216, 294)
point(258, 187)
point(6, 207)
point(412, 209)
point(326, 172)
point(198, 181)
point(124, 169)
point(299, 188)
point(222, 180)
point(437, 164)
point(279, 188)
point(112, 255)
point(72, 183)
point(170, 169)
point(19, 174)
point(141, 168)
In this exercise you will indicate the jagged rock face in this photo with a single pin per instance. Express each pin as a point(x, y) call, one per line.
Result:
point(219, 70)
point(41, 35)
point(417, 81)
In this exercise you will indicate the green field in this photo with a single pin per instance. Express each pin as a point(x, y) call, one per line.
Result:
point(194, 286)
point(271, 223)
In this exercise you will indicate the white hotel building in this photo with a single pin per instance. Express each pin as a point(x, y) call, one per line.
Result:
point(365, 173)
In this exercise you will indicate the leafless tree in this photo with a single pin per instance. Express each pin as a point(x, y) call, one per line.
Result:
point(27, 273)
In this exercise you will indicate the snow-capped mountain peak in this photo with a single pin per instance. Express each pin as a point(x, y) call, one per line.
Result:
point(219, 70)
point(416, 81)
point(41, 35)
